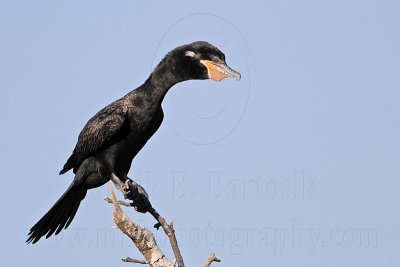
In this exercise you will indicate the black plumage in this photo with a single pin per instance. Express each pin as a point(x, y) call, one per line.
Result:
point(112, 138)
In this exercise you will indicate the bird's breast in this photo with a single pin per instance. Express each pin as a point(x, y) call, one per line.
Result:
point(142, 128)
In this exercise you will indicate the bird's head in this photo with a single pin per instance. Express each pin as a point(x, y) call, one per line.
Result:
point(200, 61)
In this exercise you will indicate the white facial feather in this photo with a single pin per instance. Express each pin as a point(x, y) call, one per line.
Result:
point(190, 54)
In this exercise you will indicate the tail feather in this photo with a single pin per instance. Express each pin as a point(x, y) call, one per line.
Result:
point(67, 219)
point(59, 216)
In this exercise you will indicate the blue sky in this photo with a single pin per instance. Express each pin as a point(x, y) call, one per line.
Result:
point(294, 165)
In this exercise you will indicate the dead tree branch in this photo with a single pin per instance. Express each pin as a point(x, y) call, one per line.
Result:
point(144, 240)
point(128, 186)
point(122, 203)
point(170, 232)
point(211, 259)
point(127, 259)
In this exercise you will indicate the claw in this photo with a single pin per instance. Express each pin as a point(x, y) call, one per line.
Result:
point(126, 189)
point(135, 192)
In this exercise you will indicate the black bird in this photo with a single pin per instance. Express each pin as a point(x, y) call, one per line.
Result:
point(111, 139)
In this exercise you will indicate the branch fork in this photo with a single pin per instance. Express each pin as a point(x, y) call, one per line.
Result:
point(143, 239)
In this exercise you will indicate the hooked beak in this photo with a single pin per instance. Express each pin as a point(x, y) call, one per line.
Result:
point(219, 71)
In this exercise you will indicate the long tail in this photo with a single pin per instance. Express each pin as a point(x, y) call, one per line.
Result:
point(61, 214)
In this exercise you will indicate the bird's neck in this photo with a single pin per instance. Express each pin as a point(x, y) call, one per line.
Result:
point(160, 81)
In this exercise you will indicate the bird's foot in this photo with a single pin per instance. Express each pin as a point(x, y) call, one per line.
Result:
point(136, 193)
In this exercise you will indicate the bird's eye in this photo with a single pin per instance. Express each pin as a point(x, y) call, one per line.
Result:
point(218, 59)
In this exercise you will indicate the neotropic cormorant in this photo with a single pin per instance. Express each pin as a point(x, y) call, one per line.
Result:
point(111, 139)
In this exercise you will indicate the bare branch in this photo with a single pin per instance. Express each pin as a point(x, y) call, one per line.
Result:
point(170, 232)
point(168, 228)
point(211, 259)
point(127, 259)
point(142, 238)
point(122, 203)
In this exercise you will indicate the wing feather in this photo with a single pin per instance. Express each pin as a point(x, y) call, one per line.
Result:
point(105, 127)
